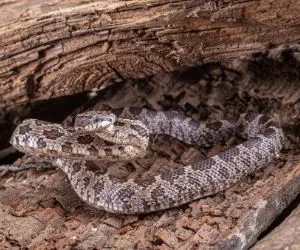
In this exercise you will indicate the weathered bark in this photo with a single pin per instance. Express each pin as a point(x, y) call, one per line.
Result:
point(49, 49)
point(285, 236)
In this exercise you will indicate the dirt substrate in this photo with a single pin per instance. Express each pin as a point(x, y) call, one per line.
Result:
point(39, 209)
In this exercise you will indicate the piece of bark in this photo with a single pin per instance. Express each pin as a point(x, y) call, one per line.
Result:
point(52, 48)
point(41, 210)
point(285, 236)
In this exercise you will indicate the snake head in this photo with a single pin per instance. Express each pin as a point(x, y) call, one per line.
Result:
point(94, 120)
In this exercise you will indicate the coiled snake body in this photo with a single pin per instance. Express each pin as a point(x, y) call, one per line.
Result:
point(122, 134)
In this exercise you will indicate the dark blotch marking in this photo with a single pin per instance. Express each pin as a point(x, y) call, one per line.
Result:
point(85, 139)
point(208, 139)
point(223, 173)
point(150, 113)
point(139, 129)
point(98, 187)
point(52, 151)
point(131, 137)
point(125, 194)
point(121, 149)
point(96, 169)
point(108, 151)
point(203, 165)
point(135, 111)
point(258, 156)
point(193, 181)
point(86, 181)
point(76, 167)
point(52, 134)
point(41, 144)
point(246, 162)
point(144, 183)
point(194, 124)
point(272, 149)
point(115, 157)
point(66, 147)
point(93, 150)
point(269, 132)
point(91, 166)
point(210, 180)
point(173, 174)
point(23, 129)
point(249, 117)
point(157, 192)
point(229, 154)
point(109, 144)
point(237, 170)
point(214, 125)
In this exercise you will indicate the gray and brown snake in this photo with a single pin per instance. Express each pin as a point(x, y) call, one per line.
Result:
point(123, 134)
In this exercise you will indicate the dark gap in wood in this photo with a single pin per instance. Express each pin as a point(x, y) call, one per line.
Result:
point(53, 110)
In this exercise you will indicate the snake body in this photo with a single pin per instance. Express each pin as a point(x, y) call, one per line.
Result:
point(76, 150)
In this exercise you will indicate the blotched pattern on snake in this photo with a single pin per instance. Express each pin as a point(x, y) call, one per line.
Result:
point(123, 134)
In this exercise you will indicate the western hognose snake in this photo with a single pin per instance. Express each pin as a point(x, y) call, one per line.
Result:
point(122, 134)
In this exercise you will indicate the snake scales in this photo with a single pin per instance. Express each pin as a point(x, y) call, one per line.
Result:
point(122, 134)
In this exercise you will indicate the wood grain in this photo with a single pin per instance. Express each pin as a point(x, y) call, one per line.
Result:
point(54, 48)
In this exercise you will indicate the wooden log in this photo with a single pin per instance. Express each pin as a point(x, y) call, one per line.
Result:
point(285, 236)
point(50, 49)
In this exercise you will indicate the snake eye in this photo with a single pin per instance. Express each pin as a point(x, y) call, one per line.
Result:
point(102, 122)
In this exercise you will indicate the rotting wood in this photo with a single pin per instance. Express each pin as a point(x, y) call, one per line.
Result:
point(53, 49)
point(285, 236)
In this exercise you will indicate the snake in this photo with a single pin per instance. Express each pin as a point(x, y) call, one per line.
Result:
point(123, 134)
